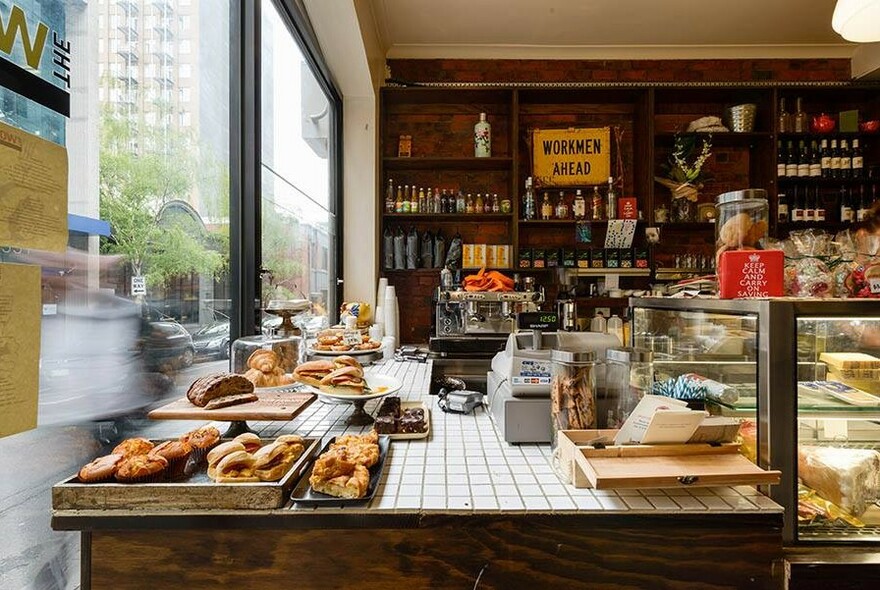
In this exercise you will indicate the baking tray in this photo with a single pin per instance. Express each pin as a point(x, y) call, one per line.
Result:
point(304, 495)
point(417, 435)
point(196, 491)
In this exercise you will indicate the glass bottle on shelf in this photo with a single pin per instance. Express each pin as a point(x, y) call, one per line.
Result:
point(546, 207)
point(819, 204)
point(780, 159)
point(835, 160)
point(579, 206)
point(597, 204)
point(797, 207)
point(809, 205)
point(561, 207)
point(800, 117)
point(460, 204)
point(845, 160)
point(487, 204)
point(782, 208)
point(858, 161)
point(815, 161)
point(506, 205)
point(420, 201)
point(438, 201)
point(469, 204)
point(611, 199)
point(406, 202)
point(803, 162)
point(429, 201)
point(791, 161)
point(478, 204)
point(529, 205)
point(496, 204)
point(398, 204)
point(826, 160)
point(482, 138)
point(389, 197)
point(783, 124)
point(847, 215)
point(864, 204)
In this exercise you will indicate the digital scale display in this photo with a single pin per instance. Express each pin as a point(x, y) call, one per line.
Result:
point(547, 321)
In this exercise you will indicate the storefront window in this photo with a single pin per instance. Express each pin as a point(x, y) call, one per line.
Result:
point(298, 211)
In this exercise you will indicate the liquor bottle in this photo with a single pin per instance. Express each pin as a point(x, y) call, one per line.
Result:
point(797, 208)
point(611, 199)
point(847, 215)
point(826, 160)
point(460, 203)
point(858, 161)
point(783, 124)
point(561, 207)
point(422, 202)
point(780, 159)
point(835, 160)
point(864, 204)
point(529, 205)
point(438, 201)
point(546, 207)
point(479, 205)
point(820, 213)
point(809, 205)
point(429, 201)
point(596, 205)
point(579, 205)
point(407, 204)
point(791, 167)
point(800, 117)
point(469, 204)
point(482, 138)
point(782, 213)
point(815, 161)
point(845, 160)
point(398, 204)
point(444, 202)
point(487, 204)
point(803, 162)
point(496, 204)
point(389, 197)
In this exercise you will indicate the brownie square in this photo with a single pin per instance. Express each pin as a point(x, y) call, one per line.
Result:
point(390, 407)
point(386, 424)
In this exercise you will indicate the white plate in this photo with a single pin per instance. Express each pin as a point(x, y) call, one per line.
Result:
point(381, 385)
point(344, 352)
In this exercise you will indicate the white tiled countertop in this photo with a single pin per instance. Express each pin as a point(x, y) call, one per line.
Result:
point(466, 466)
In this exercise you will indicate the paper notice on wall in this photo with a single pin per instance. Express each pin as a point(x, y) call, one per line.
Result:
point(19, 347)
point(33, 191)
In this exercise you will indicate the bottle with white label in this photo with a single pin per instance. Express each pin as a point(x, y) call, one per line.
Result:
point(482, 138)
point(782, 208)
point(858, 161)
point(846, 211)
point(845, 160)
point(835, 160)
point(826, 160)
point(579, 206)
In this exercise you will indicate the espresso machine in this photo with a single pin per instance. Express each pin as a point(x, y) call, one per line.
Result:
point(478, 321)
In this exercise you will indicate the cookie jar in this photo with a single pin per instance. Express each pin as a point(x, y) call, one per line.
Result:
point(286, 347)
point(742, 220)
point(572, 390)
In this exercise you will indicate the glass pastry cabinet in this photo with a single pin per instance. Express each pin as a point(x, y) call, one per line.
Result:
point(803, 376)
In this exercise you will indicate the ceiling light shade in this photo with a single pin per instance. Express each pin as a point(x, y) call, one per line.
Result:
point(857, 20)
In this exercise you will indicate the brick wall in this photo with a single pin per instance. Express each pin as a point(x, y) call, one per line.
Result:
point(539, 70)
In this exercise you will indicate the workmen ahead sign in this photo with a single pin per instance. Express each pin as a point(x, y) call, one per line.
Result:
point(571, 157)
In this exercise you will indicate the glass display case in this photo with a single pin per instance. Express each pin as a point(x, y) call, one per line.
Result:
point(804, 377)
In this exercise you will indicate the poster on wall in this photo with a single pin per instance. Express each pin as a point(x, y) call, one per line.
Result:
point(33, 191)
point(19, 347)
point(571, 157)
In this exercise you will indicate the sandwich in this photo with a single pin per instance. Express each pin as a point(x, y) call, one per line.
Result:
point(236, 467)
point(312, 372)
point(347, 361)
point(345, 379)
point(251, 441)
point(219, 452)
point(272, 462)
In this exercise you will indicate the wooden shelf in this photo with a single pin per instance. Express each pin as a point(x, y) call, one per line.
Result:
point(450, 217)
point(494, 163)
point(563, 221)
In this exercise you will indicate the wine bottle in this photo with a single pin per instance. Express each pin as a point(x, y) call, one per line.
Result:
point(819, 203)
point(858, 162)
point(846, 210)
point(809, 205)
point(800, 117)
point(815, 162)
point(780, 159)
point(791, 167)
point(797, 209)
point(845, 160)
point(835, 160)
point(864, 204)
point(803, 163)
point(826, 160)
point(782, 213)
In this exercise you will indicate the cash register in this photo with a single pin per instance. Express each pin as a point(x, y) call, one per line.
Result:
point(518, 384)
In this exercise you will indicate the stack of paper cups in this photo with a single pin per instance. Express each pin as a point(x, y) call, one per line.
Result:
point(379, 315)
point(380, 292)
point(391, 317)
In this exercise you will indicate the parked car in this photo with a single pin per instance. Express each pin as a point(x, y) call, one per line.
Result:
point(212, 340)
point(167, 345)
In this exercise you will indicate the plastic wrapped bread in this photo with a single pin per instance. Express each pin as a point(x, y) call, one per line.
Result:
point(848, 477)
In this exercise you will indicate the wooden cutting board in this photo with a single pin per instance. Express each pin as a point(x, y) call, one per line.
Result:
point(271, 405)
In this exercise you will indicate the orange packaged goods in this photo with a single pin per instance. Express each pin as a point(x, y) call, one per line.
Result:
point(491, 280)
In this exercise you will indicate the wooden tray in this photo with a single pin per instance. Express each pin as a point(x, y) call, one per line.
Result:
point(197, 491)
point(304, 495)
point(271, 405)
point(417, 435)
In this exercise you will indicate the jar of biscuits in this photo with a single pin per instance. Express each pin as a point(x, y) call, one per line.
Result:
point(742, 220)
point(572, 390)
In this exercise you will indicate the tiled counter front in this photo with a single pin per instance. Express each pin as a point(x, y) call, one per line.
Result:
point(461, 509)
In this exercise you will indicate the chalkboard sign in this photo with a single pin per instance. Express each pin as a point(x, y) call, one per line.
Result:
point(548, 321)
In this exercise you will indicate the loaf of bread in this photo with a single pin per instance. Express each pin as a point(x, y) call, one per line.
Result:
point(217, 385)
point(850, 478)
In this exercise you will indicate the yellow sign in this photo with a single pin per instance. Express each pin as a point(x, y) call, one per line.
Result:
point(571, 157)
point(33, 191)
point(19, 347)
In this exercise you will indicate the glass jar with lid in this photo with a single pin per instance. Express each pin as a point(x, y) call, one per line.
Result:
point(742, 220)
point(287, 349)
point(629, 375)
point(572, 390)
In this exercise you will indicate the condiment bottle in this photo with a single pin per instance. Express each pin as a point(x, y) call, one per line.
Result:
point(469, 204)
point(561, 207)
point(496, 204)
point(478, 205)
point(546, 207)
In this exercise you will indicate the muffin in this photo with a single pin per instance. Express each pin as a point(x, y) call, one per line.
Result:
point(142, 469)
point(202, 440)
point(100, 470)
point(133, 446)
point(176, 453)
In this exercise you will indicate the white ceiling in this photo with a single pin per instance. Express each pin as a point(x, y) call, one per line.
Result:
point(608, 28)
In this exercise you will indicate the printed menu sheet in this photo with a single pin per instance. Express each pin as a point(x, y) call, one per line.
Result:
point(33, 191)
point(19, 347)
